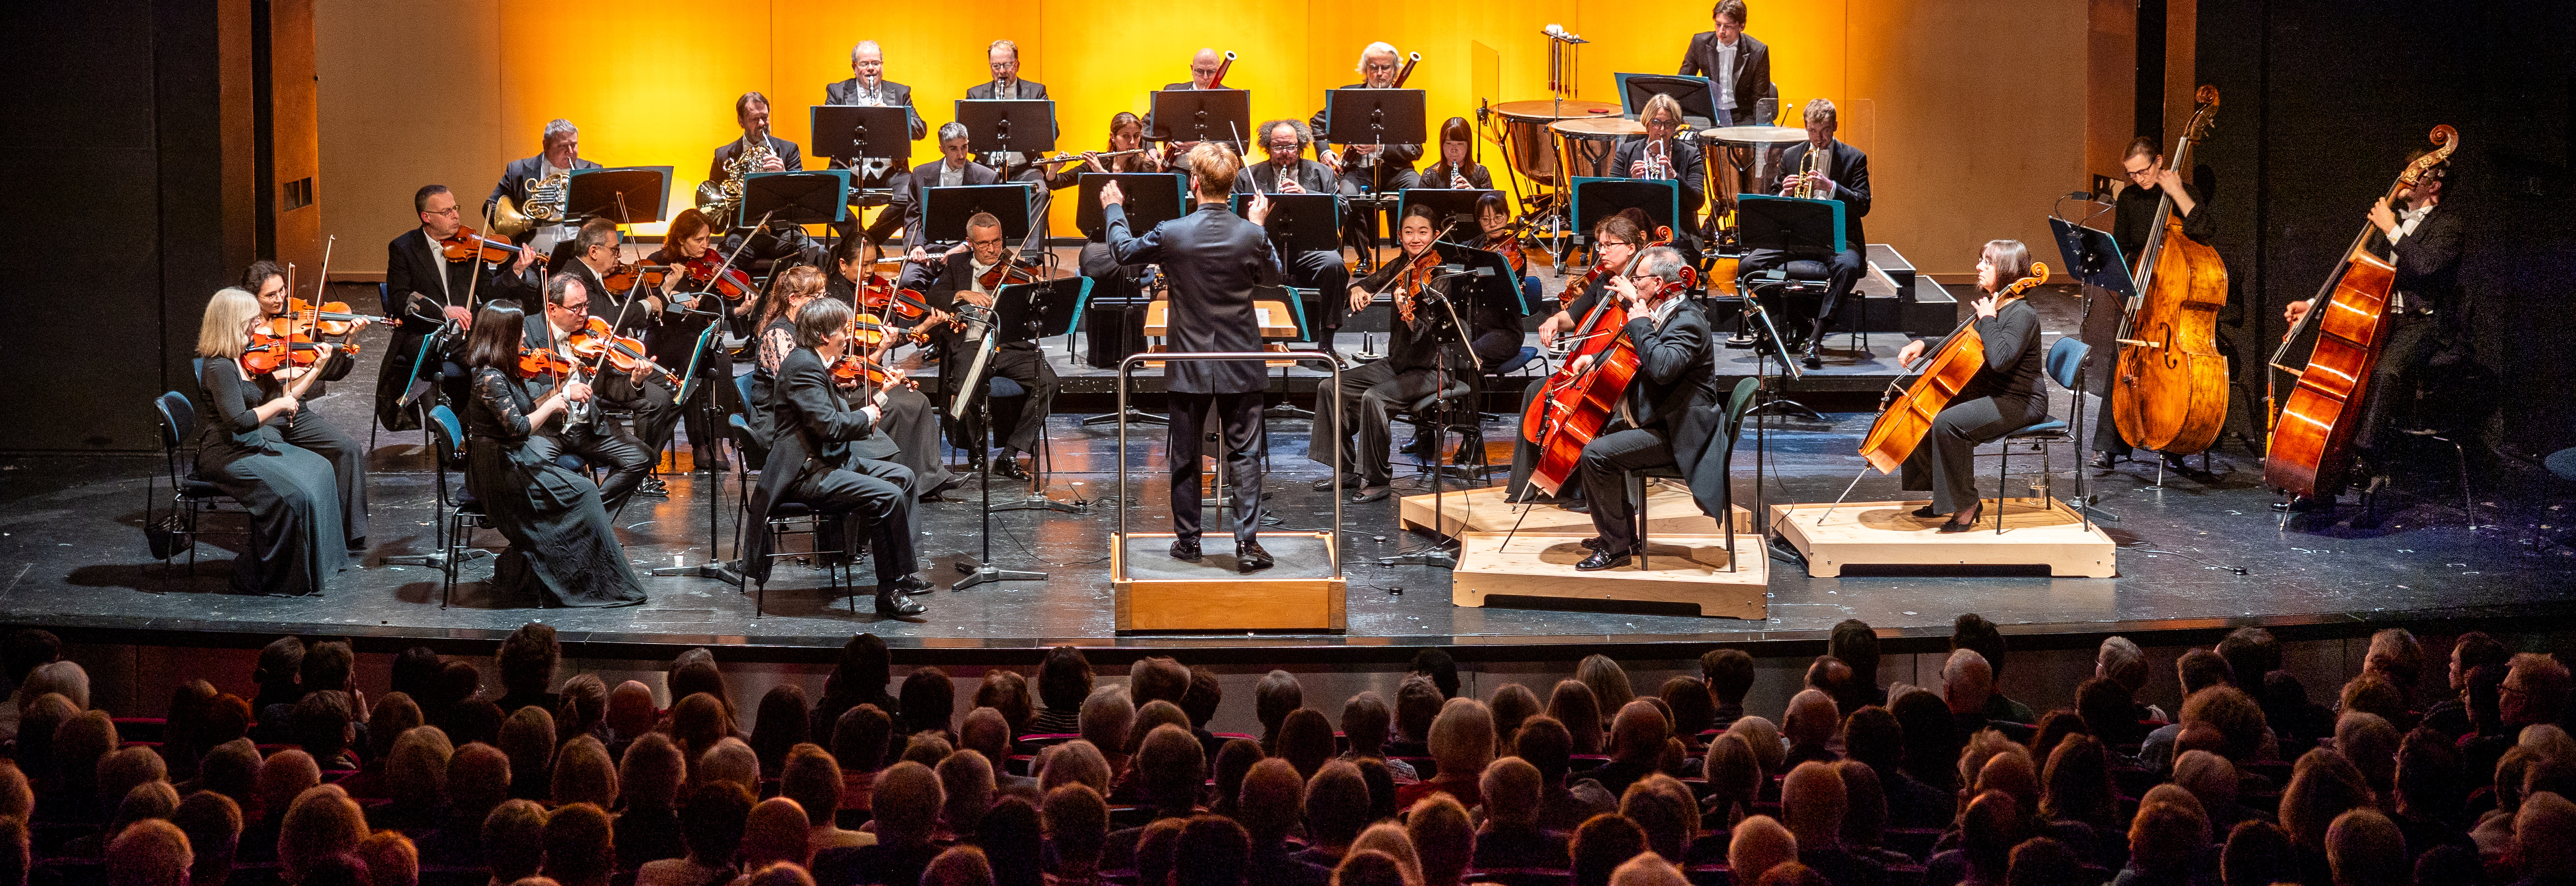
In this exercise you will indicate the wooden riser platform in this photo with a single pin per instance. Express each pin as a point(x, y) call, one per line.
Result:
point(2037, 532)
point(1669, 510)
point(1690, 570)
point(1157, 593)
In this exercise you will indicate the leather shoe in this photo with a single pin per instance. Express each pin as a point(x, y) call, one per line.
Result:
point(653, 486)
point(1812, 359)
point(1324, 485)
point(2102, 461)
point(1592, 544)
point(1186, 549)
point(895, 606)
point(1954, 526)
point(1249, 557)
point(1368, 494)
point(1601, 560)
point(1924, 513)
point(1010, 468)
point(914, 584)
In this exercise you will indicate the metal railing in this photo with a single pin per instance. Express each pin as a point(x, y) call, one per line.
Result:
point(1126, 496)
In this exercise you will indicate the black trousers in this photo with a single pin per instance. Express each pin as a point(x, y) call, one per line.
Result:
point(1360, 227)
point(1024, 365)
point(1239, 417)
point(2390, 403)
point(1369, 396)
point(874, 500)
point(1605, 461)
point(348, 459)
point(626, 459)
point(655, 415)
point(1525, 458)
point(1945, 461)
point(1842, 272)
point(1330, 276)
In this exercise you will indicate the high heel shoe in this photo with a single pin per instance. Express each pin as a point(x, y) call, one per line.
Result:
point(1954, 525)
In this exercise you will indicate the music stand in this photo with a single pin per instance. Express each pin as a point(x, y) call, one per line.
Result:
point(1697, 95)
point(1599, 198)
point(1025, 312)
point(1299, 222)
point(1198, 115)
point(1806, 229)
point(851, 132)
point(625, 195)
point(947, 209)
point(1008, 125)
point(1152, 199)
point(810, 197)
point(1451, 205)
point(2094, 258)
point(701, 372)
point(1361, 116)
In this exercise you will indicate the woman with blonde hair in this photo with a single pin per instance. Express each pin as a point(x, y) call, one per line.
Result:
point(293, 494)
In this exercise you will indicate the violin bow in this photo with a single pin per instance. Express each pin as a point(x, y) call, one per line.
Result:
point(727, 264)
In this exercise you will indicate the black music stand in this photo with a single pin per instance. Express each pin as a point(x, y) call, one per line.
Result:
point(625, 195)
point(701, 372)
point(1697, 95)
point(810, 197)
point(1362, 116)
point(1299, 223)
point(1451, 205)
point(1199, 115)
point(851, 132)
point(947, 209)
point(1152, 199)
point(1025, 312)
point(2094, 258)
point(1599, 198)
point(1005, 125)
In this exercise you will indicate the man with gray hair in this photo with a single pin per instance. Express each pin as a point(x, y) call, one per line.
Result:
point(1841, 175)
point(1668, 410)
point(955, 168)
point(560, 153)
point(868, 87)
point(1378, 169)
point(1967, 682)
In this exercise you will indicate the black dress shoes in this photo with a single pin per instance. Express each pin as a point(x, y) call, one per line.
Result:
point(892, 605)
point(1010, 468)
point(1325, 485)
point(1812, 359)
point(1954, 526)
point(653, 486)
point(1601, 560)
point(1924, 513)
point(1367, 494)
point(914, 584)
point(1249, 557)
point(1185, 549)
point(2102, 461)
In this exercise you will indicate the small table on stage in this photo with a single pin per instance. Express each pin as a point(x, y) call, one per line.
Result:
point(1277, 325)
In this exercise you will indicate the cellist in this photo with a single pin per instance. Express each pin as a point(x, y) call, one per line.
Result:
point(2003, 397)
point(1615, 240)
point(2132, 222)
point(1676, 373)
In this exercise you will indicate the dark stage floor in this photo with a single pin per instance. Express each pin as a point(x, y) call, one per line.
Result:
point(72, 555)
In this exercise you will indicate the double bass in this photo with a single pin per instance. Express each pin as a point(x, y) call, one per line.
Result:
point(2169, 385)
point(2311, 428)
point(1904, 419)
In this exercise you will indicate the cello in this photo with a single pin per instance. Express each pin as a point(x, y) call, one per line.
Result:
point(2310, 428)
point(2169, 387)
point(1573, 406)
point(1904, 419)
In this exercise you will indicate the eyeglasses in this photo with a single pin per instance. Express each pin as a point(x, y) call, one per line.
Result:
point(1641, 278)
point(2140, 173)
point(1605, 244)
point(582, 308)
point(448, 211)
point(1282, 147)
point(1204, 72)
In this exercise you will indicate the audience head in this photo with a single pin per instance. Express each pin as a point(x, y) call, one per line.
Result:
point(777, 830)
point(2258, 853)
point(907, 803)
point(1337, 804)
point(1811, 719)
point(1436, 663)
point(2364, 848)
point(2534, 690)
point(583, 774)
point(1073, 762)
point(213, 824)
point(2166, 837)
point(2429, 779)
point(813, 780)
point(1609, 682)
point(285, 776)
point(2076, 786)
point(1064, 679)
point(1512, 789)
point(1158, 678)
point(2251, 653)
point(514, 840)
point(152, 852)
point(1665, 810)
point(730, 760)
point(649, 776)
point(1759, 844)
point(2371, 744)
point(1865, 804)
point(928, 701)
point(966, 779)
point(2235, 715)
point(2322, 785)
point(1105, 717)
point(1462, 737)
point(1203, 697)
point(320, 823)
point(1368, 868)
point(958, 866)
point(1734, 774)
point(1729, 675)
point(1813, 802)
point(1649, 869)
point(1272, 699)
point(630, 709)
point(1545, 744)
point(1512, 704)
point(1573, 704)
point(1687, 699)
point(2395, 653)
point(712, 822)
point(1417, 702)
point(1765, 739)
point(1077, 823)
point(1306, 740)
point(478, 777)
point(2040, 861)
point(779, 724)
point(581, 849)
point(860, 737)
point(1005, 692)
point(1217, 850)
point(1170, 766)
point(2544, 838)
point(987, 732)
point(1365, 721)
point(1989, 828)
point(1967, 681)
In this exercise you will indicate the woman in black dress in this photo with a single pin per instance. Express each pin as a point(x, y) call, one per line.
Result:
point(561, 544)
point(2004, 396)
point(293, 497)
point(1455, 170)
point(674, 336)
point(308, 430)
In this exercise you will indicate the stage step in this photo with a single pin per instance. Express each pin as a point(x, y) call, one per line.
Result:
point(1689, 572)
point(1886, 536)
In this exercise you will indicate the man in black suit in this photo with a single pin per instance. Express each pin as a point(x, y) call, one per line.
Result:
point(779, 240)
point(1003, 59)
point(1377, 169)
point(1203, 75)
point(1213, 259)
point(562, 153)
point(597, 441)
point(1289, 172)
point(1843, 177)
point(1676, 375)
point(423, 288)
point(868, 87)
point(2426, 313)
point(954, 169)
point(588, 258)
point(1740, 65)
point(960, 279)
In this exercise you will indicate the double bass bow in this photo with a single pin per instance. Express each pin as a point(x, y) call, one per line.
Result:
point(1904, 418)
point(2169, 385)
point(2313, 425)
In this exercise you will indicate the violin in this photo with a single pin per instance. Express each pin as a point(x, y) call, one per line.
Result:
point(1005, 274)
point(594, 340)
point(732, 284)
point(270, 353)
point(623, 276)
point(852, 367)
point(1408, 283)
point(539, 362)
point(306, 318)
point(465, 244)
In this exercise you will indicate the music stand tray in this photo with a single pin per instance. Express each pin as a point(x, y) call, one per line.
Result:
point(1697, 95)
point(1300, 222)
point(947, 209)
point(643, 192)
point(810, 197)
point(1197, 115)
point(1599, 198)
point(1812, 228)
point(852, 132)
point(1004, 125)
point(1152, 199)
point(2093, 257)
point(1373, 116)
point(1447, 204)
point(1496, 281)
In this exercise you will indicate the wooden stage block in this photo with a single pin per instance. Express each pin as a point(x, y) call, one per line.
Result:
point(1886, 533)
point(1669, 510)
point(1157, 593)
point(1686, 569)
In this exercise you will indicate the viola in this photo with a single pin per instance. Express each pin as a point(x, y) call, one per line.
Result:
point(594, 340)
point(270, 353)
point(465, 244)
point(623, 276)
point(306, 318)
point(733, 285)
point(1904, 419)
point(539, 362)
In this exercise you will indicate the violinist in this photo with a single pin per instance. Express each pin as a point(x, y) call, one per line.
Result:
point(592, 257)
point(2132, 222)
point(811, 462)
point(954, 169)
point(910, 424)
point(562, 548)
point(1411, 369)
point(2003, 397)
point(597, 441)
point(779, 240)
point(424, 286)
point(1615, 241)
point(561, 153)
point(1676, 375)
point(1455, 170)
point(1842, 176)
point(307, 430)
point(688, 307)
point(974, 281)
point(1289, 172)
point(1498, 322)
point(868, 87)
point(291, 493)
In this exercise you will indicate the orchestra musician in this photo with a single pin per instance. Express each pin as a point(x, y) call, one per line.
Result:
point(1660, 154)
point(1676, 377)
point(868, 87)
point(1615, 242)
point(1496, 234)
point(2426, 317)
point(310, 431)
point(2004, 395)
point(422, 289)
point(296, 540)
point(811, 463)
point(1214, 259)
point(562, 548)
point(561, 153)
point(569, 305)
point(954, 169)
point(1740, 65)
point(686, 309)
point(1002, 58)
point(779, 240)
point(1842, 176)
point(1205, 65)
point(1289, 172)
point(589, 257)
point(2132, 223)
point(1018, 360)
point(1410, 371)
point(1126, 133)
point(1371, 169)
point(1455, 170)
point(911, 421)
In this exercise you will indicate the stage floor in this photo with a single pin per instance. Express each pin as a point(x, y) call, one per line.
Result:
point(74, 557)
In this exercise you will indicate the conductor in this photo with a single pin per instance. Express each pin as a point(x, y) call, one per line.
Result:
point(1213, 259)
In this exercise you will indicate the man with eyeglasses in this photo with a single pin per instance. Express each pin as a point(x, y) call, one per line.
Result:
point(1656, 425)
point(956, 168)
point(868, 87)
point(568, 307)
point(561, 153)
point(423, 289)
point(1375, 169)
point(1287, 171)
point(1203, 70)
point(1615, 240)
point(2150, 182)
point(1020, 361)
point(1002, 58)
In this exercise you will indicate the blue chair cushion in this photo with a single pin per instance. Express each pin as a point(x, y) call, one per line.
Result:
point(1003, 387)
point(571, 462)
point(1524, 358)
point(2055, 427)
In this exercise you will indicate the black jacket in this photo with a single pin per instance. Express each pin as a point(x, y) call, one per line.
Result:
point(926, 177)
point(1213, 259)
point(1315, 178)
point(815, 430)
point(2428, 263)
point(603, 302)
point(1693, 175)
point(1753, 90)
point(896, 95)
point(792, 159)
point(415, 265)
point(1478, 177)
point(515, 178)
point(1849, 168)
point(1675, 367)
point(1394, 157)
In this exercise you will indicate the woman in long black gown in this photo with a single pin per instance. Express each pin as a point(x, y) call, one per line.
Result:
point(561, 544)
point(310, 431)
point(292, 494)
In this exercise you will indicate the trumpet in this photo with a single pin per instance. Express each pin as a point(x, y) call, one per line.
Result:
point(1812, 162)
point(1659, 160)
